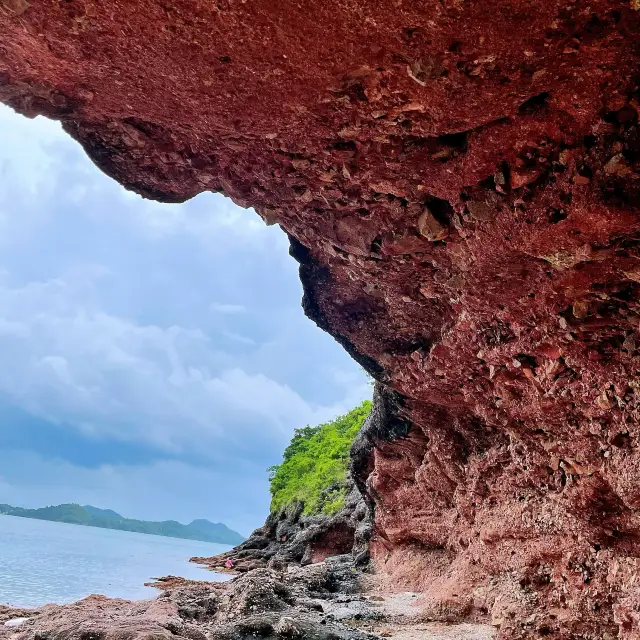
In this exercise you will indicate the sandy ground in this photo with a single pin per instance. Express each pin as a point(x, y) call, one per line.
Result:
point(437, 631)
point(404, 624)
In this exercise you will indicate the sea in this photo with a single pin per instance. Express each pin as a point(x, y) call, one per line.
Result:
point(43, 562)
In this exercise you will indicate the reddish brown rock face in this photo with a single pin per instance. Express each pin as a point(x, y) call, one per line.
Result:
point(462, 183)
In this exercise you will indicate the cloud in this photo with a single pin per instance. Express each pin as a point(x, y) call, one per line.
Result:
point(111, 344)
point(137, 491)
point(220, 307)
point(170, 386)
point(238, 338)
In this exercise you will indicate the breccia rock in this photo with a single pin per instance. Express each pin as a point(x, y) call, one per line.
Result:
point(461, 183)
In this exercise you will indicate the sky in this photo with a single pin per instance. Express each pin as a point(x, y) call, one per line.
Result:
point(155, 357)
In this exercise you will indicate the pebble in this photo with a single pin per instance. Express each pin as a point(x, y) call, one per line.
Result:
point(15, 622)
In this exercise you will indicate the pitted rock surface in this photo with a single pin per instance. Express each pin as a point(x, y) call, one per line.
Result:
point(460, 181)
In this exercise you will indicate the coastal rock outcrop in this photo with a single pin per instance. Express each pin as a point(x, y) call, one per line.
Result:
point(460, 181)
point(290, 538)
point(264, 603)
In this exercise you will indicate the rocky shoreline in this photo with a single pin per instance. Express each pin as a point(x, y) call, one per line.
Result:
point(322, 601)
point(296, 576)
point(261, 603)
point(290, 538)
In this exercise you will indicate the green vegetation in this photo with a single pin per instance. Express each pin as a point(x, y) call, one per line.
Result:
point(108, 519)
point(314, 465)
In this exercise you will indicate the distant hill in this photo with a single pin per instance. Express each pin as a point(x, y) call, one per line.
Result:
point(101, 513)
point(108, 519)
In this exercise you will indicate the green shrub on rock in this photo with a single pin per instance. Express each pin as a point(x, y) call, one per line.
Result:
point(314, 466)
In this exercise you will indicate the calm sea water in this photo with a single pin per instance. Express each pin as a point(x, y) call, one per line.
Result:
point(43, 562)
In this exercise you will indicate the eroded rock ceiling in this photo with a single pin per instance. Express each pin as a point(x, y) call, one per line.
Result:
point(461, 183)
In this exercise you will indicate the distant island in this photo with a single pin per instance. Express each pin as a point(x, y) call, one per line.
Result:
point(89, 516)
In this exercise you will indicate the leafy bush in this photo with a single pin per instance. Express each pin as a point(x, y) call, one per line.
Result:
point(314, 465)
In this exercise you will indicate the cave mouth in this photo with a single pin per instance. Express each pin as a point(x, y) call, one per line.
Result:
point(133, 333)
point(463, 189)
